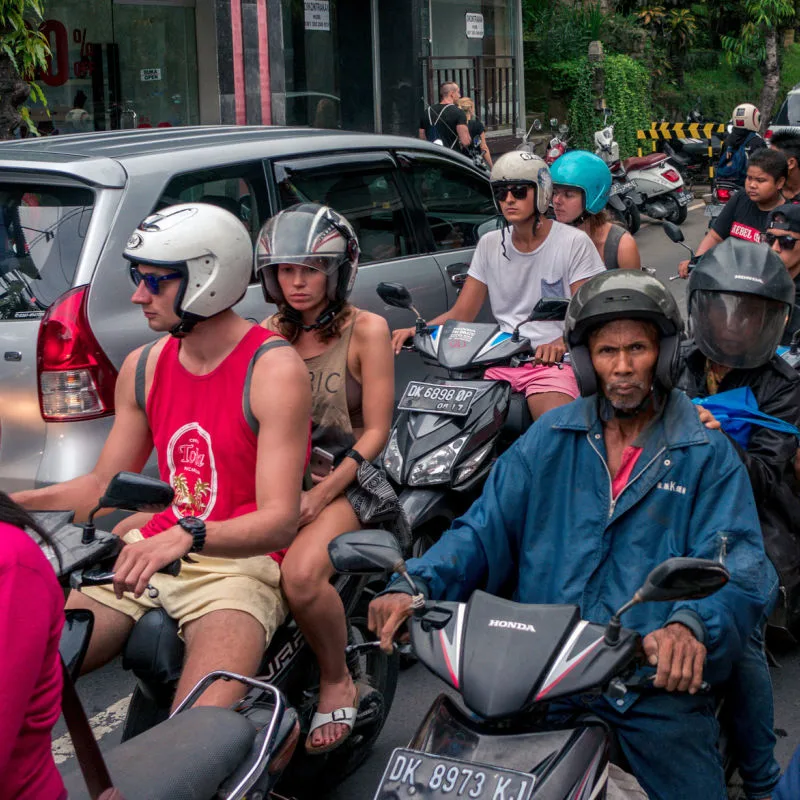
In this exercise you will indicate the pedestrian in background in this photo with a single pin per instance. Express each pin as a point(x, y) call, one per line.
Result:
point(477, 132)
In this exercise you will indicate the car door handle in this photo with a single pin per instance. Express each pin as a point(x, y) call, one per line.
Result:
point(12, 355)
point(458, 273)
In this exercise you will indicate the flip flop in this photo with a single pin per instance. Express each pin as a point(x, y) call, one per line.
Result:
point(340, 716)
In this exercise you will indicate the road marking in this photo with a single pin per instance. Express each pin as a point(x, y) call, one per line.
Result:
point(102, 723)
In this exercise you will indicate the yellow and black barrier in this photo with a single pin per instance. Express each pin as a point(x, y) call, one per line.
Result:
point(682, 130)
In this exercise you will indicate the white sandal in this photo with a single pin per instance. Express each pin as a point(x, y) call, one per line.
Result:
point(340, 716)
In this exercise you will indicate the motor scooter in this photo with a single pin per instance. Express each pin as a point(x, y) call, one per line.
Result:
point(661, 193)
point(154, 653)
point(449, 430)
point(508, 662)
point(558, 144)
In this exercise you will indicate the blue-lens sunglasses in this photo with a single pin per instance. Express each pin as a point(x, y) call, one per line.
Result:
point(151, 281)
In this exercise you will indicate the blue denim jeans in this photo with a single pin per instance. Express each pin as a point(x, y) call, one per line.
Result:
point(669, 740)
point(748, 694)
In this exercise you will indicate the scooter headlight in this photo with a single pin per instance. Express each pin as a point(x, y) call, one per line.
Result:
point(470, 466)
point(436, 467)
point(393, 458)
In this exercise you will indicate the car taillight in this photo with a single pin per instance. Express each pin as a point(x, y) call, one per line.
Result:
point(723, 195)
point(671, 175)
point(768, 134)
point(76, 379)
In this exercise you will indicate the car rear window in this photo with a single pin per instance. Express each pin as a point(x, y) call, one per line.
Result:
point(789, 113)
point(42, 231)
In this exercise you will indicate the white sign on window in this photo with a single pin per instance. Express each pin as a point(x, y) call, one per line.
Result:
point(474, 26)
point(150, 75)
point(318, 15)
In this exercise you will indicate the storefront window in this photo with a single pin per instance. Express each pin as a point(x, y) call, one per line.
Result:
point(119, 64)
point(328, 63)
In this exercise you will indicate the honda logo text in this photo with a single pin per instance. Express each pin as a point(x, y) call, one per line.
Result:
point(515, 626)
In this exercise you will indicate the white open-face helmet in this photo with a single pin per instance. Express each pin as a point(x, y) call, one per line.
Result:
point(747, 116)
point(519, 167)
point(312, 236)
point(209, 246)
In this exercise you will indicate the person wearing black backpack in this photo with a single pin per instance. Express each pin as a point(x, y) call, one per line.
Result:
point(445, 123)
point(740, 144)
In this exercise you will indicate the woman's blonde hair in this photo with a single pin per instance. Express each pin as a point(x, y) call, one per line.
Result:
point(465, 104)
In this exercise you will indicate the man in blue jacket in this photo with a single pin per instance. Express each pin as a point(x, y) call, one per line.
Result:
point(596, 494)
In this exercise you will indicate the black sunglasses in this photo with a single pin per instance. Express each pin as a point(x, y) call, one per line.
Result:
point(784, 242)
point(519, 191)
point(151, 281)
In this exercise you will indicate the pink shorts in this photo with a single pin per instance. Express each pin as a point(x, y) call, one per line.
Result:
point(529, 379)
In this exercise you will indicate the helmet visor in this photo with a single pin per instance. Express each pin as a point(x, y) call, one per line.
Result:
point(327, 264)
point(737, 330)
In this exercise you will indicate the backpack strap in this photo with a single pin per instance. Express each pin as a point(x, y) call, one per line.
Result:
point(270, 344)
point(139, 380)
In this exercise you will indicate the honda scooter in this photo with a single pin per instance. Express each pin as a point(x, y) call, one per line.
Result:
point(449, 430)
point(287, 679)
point(508, 661)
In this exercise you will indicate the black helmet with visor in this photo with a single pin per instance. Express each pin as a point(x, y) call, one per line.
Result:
point(740, 296)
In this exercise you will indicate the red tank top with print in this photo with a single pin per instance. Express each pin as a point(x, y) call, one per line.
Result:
point(206, 449)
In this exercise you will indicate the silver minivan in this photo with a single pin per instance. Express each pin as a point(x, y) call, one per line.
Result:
point(69, 204)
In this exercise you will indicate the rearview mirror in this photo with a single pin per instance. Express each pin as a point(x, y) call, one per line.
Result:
point(394, 294)
point(683, 579)
point(130, 491)
point(491, 224)
point(673, 231)
point(549, 308)
point(366, 552)
point(537, 124)
point(553, 123)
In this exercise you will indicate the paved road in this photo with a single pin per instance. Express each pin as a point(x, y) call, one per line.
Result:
point(105, 692)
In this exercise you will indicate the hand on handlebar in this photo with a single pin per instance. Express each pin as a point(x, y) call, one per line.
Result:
point(550, 353)
point(399, 338)
point(678, 656)
point(683, 269)
point(138, 562)
point(386, 614)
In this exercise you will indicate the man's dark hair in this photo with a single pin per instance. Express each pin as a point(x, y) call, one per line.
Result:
point(788, 143)
point(445, 89)
point(773, 162)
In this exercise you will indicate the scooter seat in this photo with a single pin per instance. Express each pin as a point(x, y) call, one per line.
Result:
point(642, 162)
point(185, 758)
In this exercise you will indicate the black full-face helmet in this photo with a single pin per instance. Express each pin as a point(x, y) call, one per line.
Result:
point(740, 296)
point(619, 295)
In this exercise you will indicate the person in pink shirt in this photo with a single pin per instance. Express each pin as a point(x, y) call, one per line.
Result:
point(31, 618)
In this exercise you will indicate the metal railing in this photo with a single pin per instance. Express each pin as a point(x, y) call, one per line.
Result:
point(489, 80)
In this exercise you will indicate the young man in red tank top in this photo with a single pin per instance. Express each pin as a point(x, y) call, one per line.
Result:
point(233, 449)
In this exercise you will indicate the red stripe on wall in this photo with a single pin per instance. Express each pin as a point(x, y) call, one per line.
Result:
point(263, 64)
point(238, 61)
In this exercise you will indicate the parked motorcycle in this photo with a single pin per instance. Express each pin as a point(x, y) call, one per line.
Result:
point(624, 200)
point(558, 144)
point(721, 192)
point(449, 430)
point(661, 193)
point(278, 706)
point(509, 661)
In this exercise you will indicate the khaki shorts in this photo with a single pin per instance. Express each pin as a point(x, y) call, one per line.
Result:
point(251, 585)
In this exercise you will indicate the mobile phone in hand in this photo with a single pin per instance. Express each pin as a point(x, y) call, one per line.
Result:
point(321, 462)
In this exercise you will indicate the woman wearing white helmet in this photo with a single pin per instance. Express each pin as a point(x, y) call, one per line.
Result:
point(306, 259)
point(530, 258)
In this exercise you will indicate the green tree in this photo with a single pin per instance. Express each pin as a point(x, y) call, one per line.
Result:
point(23, 50)
point(757, 45)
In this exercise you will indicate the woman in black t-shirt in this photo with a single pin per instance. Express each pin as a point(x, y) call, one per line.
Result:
point(477, 132)
point(745, 214)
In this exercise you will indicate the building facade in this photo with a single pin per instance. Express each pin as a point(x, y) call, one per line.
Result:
point(366, 65)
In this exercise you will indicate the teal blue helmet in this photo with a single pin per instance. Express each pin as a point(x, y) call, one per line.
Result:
point(584, 171)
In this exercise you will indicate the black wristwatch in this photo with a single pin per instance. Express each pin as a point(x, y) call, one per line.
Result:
point(196, 528)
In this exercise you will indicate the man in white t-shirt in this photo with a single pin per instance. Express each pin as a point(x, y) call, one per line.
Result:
point(530, 258)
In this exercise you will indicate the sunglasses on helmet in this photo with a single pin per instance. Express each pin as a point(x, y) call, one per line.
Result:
point(151, 281)
point(519, 191)
point(784, 242)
